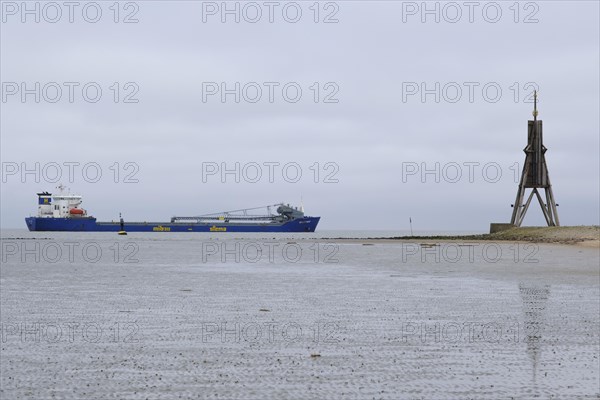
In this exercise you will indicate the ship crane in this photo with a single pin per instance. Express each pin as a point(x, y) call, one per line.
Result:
point(284, 212)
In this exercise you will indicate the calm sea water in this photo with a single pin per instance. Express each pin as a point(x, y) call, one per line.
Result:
point(96, 315)
point(198, 235)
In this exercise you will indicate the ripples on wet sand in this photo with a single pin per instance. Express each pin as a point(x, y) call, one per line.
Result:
point(164, 316)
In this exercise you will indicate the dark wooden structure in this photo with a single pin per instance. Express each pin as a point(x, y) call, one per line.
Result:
point(535, 175)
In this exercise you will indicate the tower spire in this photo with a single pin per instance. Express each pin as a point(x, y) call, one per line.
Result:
point(535, 111)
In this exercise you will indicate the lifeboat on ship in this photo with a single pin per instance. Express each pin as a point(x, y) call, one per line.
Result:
point(76, 212)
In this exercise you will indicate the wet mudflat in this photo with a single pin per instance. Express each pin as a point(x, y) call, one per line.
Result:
point(170, 316)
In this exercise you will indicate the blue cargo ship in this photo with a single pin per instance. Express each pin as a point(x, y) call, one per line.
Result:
point(63, 212)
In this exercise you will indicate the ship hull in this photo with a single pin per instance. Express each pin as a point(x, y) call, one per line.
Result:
point(37, 224)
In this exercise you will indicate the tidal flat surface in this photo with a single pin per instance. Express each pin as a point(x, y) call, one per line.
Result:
point(155, 316)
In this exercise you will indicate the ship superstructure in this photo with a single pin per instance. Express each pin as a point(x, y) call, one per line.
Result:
point(60, 206)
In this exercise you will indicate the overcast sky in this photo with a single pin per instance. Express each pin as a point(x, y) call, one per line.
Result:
point(369, 134)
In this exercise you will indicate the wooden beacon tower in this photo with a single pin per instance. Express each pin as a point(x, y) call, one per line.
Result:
point(535, 175)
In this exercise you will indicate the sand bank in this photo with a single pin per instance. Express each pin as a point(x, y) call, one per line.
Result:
point(587, 236)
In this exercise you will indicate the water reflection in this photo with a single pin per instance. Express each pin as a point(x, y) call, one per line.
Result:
point(535, 298)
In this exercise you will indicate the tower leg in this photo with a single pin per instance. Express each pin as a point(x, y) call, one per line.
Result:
point(552, 204)
point(549, 208)
point(525, 208)
point(518, 212)
point(544, 209)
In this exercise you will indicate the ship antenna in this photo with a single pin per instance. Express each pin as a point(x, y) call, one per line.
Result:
point(301, 204)
point(535, 111)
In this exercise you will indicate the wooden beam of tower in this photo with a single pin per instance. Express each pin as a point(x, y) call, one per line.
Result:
point(523, 209)
point(517, 210)
point(544, 210)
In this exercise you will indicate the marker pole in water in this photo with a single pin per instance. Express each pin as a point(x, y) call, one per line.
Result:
point(122, 226)
point(410, 221)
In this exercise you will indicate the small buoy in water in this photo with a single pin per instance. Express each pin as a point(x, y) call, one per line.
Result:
point(121, 233)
